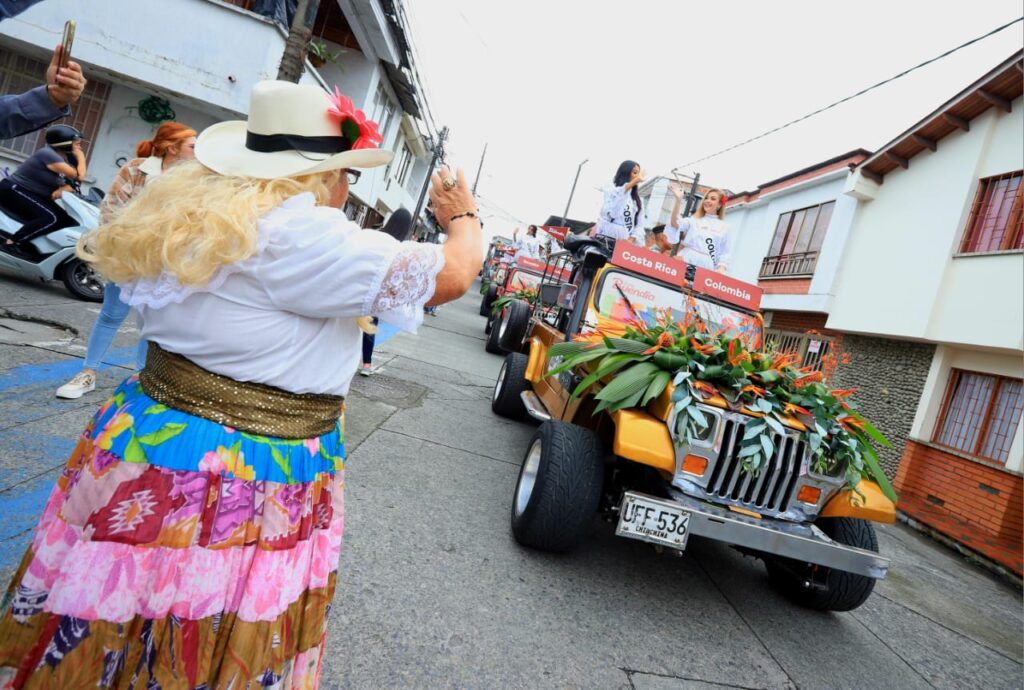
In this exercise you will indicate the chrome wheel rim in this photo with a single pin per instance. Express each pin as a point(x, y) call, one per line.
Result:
point(501, 380)
point(503, 327)
point(84, 275)
point(528, 477)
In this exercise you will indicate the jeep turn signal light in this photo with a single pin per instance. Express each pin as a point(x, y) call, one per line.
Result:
point(808, 494)
point(695, 464)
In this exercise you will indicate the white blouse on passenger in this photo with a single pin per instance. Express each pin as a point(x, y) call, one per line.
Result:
point(286, 315)
point(707, 241)
point(621, 218)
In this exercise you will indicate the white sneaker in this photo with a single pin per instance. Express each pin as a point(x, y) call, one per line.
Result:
point(365, 370)
point(84, 382)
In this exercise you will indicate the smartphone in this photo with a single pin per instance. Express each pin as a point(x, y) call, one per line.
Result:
point(69, 38)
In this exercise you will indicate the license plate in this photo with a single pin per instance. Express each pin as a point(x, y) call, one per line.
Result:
point(648, 519)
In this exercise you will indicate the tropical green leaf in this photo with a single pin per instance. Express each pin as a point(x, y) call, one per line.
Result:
point(576, 360)
point(631, 346)
point(681, 376)
point(769, 376)
point(633, 380)
point(815, 441)
point(876, 472)
point(164, 433)
point(714, 371)
point(751, 449)
point(775, 426)
point(609, 365)
point(684, 403)
point(658, 384)
point(872, 431)
point(134, 452)
point(565, 349)
point(698, 417)
point(753, 429)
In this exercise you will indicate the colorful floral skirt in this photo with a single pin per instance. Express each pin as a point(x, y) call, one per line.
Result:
point(178, 553)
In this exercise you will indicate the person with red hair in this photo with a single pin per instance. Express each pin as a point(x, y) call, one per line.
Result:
point(172, 142)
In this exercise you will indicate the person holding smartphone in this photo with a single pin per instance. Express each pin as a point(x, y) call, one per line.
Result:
point(34, 109)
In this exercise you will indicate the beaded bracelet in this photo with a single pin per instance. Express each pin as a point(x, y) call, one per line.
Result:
point(467, 214)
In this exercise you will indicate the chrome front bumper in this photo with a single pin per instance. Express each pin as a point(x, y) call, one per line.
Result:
point(799, 541)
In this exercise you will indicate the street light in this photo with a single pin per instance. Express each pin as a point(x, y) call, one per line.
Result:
point(565, 215)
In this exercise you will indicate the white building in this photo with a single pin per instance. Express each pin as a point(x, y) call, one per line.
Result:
point(909, 263)
point(200, 58)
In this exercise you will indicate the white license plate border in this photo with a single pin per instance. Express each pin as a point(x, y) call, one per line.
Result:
point(628, 496)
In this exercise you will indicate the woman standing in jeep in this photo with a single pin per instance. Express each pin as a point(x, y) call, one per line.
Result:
point(622, 213)
point(706, 237)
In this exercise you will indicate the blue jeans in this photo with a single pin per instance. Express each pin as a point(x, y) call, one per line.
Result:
point(112, 315)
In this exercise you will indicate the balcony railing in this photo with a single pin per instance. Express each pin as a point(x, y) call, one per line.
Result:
point(789, 265)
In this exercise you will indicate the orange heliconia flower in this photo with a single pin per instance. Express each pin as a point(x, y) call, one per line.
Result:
point(851, 423)
point(790, 408)
point(737, 354)
point(756, 391)
point(846, 358)
point(843, 392)
point(702, 349)
point(665, 339)
point(813, 377)
point(704, 388)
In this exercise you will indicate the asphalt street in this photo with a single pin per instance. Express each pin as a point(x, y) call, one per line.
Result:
point(433, 591)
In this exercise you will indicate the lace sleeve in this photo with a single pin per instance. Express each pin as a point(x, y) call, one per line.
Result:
point(403, 286)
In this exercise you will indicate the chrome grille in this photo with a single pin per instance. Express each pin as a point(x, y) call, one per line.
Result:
point(772, 489)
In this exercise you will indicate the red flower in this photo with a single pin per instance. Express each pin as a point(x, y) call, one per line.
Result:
point(702, 349)
point(813, 377)
point(790, 408)
point(843, 392)
point(737, 355)
point(705, 389)
point(756, 391)
point(366, 135)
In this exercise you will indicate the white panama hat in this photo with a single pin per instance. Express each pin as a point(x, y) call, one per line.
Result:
point(291, 131)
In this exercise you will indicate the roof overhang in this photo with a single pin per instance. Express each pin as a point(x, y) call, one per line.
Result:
point(997, 89)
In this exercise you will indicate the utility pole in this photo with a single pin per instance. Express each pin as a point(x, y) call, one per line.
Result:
point(293, 60)
point(479, 169)
point(438, 150)
point(572, 191)
point(691, 198)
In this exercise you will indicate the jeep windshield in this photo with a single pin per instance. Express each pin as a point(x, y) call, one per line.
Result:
point(521, 280)
point(645, 294)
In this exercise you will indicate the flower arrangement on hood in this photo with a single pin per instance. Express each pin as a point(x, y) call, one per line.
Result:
point(528, 295)
point(361, 132)
point(652, 350)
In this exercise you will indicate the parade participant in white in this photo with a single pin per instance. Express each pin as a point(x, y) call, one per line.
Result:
point(706, 237)
point(622, 213)
point(530, 245)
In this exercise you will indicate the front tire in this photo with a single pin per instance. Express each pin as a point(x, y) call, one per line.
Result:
point(82, 281)
point(511, 382)
point(489, 296)
point(491, 345)
point(559, 487)
point(842, 591)
point(514, 326)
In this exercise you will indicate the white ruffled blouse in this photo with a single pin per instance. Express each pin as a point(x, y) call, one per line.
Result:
point(286, 315)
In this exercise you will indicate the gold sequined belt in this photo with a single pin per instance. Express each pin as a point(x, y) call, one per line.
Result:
point(256, 408)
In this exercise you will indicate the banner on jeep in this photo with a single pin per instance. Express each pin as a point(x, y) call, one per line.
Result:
point(537, 266)
point(556, 231)
point(727, 289)
point(673, 271)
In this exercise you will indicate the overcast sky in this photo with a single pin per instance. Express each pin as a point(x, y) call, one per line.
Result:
point(549, 83)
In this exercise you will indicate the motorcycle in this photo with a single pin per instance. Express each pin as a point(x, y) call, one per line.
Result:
point(52, 256)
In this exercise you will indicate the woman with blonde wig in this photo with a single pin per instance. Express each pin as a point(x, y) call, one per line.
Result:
point(193, 538)
point(172, 143)
point(704, 239)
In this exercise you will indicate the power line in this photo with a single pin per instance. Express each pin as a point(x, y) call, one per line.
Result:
point(849, 98)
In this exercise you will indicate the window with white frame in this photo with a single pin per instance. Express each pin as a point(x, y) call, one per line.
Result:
point(383, 109)
point(404, 163)
point(798, 238)
point(19, 74)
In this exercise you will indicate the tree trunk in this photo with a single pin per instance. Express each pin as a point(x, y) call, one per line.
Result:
point(293, 61)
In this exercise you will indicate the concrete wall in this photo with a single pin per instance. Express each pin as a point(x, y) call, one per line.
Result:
point(900, 276)
point(204, 52)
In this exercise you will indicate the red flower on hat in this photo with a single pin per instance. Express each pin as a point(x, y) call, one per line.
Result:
point(361, 132)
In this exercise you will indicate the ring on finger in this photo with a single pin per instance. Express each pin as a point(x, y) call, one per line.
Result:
point(449, 183)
